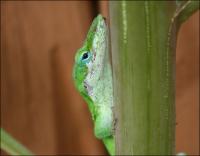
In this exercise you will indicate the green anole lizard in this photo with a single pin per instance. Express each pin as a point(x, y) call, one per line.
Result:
point(93, 78)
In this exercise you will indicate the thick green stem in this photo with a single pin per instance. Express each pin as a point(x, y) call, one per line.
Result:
point(143, 39)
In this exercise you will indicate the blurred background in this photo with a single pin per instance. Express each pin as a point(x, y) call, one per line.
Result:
point(39, 104)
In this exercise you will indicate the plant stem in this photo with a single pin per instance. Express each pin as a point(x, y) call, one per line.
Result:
point(186, 9)
point(143, 39)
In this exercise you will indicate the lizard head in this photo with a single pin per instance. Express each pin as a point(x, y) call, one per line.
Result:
point(90, 57)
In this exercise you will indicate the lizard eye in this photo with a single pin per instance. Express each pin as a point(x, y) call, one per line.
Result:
point(85, 56)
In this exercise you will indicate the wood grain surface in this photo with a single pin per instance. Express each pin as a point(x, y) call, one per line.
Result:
point(39, 104)
point(187, 87)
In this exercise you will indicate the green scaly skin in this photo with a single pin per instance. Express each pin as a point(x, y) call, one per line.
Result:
point(93, 79)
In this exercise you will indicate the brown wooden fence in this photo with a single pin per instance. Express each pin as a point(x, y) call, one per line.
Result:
point(39, 104)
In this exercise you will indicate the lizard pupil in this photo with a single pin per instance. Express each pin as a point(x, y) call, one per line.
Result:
point(85, 56)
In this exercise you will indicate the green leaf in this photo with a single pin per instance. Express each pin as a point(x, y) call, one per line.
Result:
point(12, 146)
